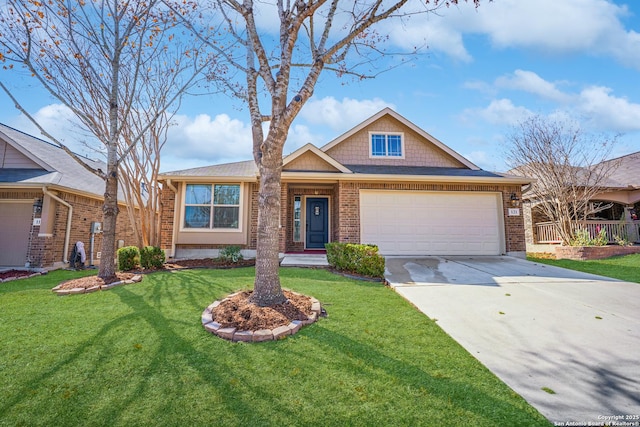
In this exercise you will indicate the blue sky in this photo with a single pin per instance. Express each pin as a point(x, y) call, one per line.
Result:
point(485, 70)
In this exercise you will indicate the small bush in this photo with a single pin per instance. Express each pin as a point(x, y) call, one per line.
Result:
point(622, 241)
point(582, 238)
point(356, 258)
point(128, 258)
point(231, 254)
point(152, 257)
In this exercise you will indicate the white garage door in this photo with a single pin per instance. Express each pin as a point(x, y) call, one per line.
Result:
point(432, 223)
point(15, 225)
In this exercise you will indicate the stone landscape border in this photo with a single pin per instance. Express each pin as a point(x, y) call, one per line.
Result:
point(281, 332)
point(57, 290)
point(11, 279)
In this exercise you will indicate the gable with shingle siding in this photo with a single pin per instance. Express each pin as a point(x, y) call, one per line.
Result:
point(418, 150)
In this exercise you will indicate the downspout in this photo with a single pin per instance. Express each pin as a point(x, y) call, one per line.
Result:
point(67, 235)
point(175, 209)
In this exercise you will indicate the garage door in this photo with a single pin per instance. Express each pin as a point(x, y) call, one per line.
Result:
point(432, 223)
point(15, 225)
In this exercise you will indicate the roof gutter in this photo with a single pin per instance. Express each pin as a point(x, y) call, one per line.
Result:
point(67, 235)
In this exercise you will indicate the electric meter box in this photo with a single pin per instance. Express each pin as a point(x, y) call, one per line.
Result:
point(96, 227)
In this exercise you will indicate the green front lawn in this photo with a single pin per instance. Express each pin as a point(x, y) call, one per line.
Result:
point(621, 267)
point(138, 355)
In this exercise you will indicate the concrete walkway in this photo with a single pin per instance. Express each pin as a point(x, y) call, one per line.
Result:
point(568, 342)
point(304, 260)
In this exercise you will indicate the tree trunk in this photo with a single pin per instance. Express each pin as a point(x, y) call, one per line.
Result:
point(267, 290)
point(109, 218)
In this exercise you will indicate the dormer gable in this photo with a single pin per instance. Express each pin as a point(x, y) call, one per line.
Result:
point(311, 159)
point(388, 139)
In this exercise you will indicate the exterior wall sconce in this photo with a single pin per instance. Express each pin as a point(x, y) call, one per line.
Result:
point(37, 206)
point(514, 200)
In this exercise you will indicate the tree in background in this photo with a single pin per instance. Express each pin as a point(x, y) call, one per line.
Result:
point(101, 59)
point(277, 74)
point(569, 167)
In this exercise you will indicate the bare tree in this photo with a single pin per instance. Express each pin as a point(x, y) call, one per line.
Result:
point(97, 58)
point(280, 72)
point(569, 167)
point(138, 176)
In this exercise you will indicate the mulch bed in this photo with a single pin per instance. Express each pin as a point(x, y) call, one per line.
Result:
point(14, 274)
point(234, 312)
point(237, 312)
point(91, 281)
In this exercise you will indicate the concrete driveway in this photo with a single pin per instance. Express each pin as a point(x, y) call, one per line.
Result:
point(538, 328)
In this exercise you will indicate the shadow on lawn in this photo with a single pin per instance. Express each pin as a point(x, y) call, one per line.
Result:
point(226, 369)
point(452, 394)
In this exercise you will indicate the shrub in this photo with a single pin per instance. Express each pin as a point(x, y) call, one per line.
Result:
point(152, 257)
point(583, 238)
point(622, 241)
point(231, 254)
point(601, 239)
point(128, 258)
point(355, 258)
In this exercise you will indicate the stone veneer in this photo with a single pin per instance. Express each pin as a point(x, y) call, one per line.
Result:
point(280, 332)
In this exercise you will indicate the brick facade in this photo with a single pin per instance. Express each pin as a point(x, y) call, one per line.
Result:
point(48, 251)
point(344, 204)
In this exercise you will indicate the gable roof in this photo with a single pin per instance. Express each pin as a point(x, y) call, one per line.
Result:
point(57, 168)
point(323, 157)
point(388, 111)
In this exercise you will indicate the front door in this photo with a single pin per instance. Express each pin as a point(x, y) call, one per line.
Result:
point(317, 222)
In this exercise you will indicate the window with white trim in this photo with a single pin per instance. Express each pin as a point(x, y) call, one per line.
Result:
point(297, 218)
point(389, 145)
point(212, 206)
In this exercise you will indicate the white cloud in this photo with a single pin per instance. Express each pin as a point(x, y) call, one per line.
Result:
point(596, 106)
point(609, 112)
point(428, 31)
point(62, 124)
point(550, 26)
point(529, 81)
point(500, 112)
point(204, 140)
point(341, 115)
point(300, 135)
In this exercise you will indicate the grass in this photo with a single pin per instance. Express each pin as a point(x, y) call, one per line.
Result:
point(138, 355)
point(625, 267)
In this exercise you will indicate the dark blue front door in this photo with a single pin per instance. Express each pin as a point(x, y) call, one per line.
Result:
point(317, 222)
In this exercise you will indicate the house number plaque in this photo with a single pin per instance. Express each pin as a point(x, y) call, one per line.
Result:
point(316, 211)
point(514, 211)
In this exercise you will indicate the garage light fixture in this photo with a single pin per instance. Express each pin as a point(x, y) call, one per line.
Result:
point(37, 205)
point(514, 200)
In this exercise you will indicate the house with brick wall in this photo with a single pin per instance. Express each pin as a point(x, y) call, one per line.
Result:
point(385, 182)
point(48, 202)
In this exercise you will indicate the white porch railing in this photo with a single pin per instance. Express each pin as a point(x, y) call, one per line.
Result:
point(629, 230)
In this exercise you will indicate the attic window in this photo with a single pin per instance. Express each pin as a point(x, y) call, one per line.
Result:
point(389, 145)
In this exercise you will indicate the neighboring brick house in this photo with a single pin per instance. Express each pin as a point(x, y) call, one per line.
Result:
point(48, 202)
point(386, 182)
